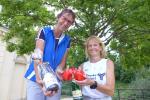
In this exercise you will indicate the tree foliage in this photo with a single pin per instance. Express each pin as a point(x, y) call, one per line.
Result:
point(123, 25)
point(133, 44)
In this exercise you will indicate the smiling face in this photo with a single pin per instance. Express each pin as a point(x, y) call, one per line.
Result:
point(65, 21)
point(93, 48)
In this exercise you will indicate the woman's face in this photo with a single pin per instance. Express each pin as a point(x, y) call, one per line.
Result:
point(93, 48)
point(65, 21)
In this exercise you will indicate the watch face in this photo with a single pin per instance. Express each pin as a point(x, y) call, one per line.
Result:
point(94, 86)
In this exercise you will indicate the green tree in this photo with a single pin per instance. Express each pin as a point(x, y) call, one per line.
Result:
point(122, 22)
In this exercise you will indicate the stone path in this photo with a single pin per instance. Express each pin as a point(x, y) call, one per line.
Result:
point(66, 98)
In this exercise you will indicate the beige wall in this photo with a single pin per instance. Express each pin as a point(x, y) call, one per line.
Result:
point(12, 69)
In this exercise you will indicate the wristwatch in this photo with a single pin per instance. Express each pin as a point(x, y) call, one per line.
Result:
point(94, 86)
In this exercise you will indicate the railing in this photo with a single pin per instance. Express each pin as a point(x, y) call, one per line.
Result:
point(120, 94)
point(132, 94)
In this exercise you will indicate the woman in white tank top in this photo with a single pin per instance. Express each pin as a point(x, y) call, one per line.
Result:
point(100, 79)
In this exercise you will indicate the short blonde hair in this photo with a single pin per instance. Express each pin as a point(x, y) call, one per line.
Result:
point(103, 53)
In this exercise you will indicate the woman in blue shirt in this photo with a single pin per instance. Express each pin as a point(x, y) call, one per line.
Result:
point(52, 46)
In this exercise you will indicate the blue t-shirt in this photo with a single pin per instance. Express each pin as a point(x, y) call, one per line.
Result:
point(54, 50)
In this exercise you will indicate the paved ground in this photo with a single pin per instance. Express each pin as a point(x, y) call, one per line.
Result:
point(66, 98)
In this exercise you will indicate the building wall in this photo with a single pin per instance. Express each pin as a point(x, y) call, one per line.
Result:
point(12, 70)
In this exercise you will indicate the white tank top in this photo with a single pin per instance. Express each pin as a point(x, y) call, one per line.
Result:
point(95, 71)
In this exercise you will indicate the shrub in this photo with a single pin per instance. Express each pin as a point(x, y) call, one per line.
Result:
point(142, 82)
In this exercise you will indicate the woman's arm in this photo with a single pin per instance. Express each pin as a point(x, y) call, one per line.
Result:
point(80, 67)
point(109, 87)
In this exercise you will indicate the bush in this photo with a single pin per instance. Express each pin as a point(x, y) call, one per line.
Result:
point(142, 82)
point(124, 75)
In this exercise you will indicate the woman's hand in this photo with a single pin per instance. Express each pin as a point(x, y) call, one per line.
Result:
point(84, 82)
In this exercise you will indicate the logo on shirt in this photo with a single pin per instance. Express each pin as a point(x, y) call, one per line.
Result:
point(101, 75)
point(93, 76)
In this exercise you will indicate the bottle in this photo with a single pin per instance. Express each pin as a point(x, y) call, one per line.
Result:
point(48, 76)
point(76, 92)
